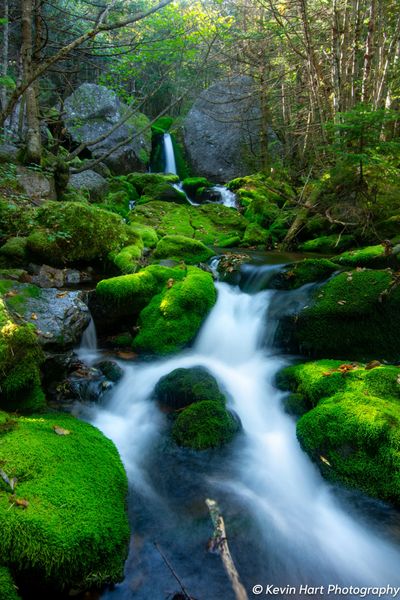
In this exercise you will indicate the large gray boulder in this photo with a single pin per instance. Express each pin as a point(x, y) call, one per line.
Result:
point(92, 111)
point(60, 318)
point(222, 130)
point(94, 183)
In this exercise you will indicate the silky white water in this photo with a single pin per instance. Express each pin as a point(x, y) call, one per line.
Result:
point(170, 164)
point(305, 533)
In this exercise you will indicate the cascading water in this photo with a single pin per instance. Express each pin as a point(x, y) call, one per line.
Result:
point(88, 348)
point(228, 198)
point(285, 524)
point(169, 156)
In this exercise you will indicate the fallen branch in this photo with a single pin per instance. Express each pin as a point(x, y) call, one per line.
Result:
point(184, 592)
point(10, 482)
point(219, 543)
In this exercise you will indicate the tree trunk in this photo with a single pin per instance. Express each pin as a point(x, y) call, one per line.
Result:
point(4, 58)
point(32, 141)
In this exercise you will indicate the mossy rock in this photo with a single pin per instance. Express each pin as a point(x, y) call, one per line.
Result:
point(375, 257)
point(20, 361)
point(8, 589)
point(145, 183)
point(127, 259)
point(192, 184)
point(212, 224)
point(306, 271)
point(354, 315)
point(148, 234)
point(75, 487)
point(174, 316)
point(204, 425)
point(353, 431)
point(127, 295)
point(255, 235)
point(179, 247)
point(75, 232)
point(162, 125)
point(328, 244)
point(15, 250)
point(183, 387)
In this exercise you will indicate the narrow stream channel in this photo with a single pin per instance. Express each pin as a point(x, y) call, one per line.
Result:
point(285, 524)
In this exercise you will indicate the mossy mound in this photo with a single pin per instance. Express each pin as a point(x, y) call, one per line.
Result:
point(173, 317)
point(192, 184)
point(179, 247)
point(127, 259)
point(148, 234)
point(8, 589)
point(212, 224)
point(71, 232)
point(121, 193)
point(205, 424)
point(353, 431)
point(152, 184)
point(74, 488)
point(255, 235)
point(15, 250)
point(328, 244)
point(355, 315)
point(127, 295)
point(183, 387)
point(303, 272)
point(20, 360)
point(162, 125)
point(377, 257)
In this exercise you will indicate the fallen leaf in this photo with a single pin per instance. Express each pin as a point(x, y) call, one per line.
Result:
point(21, 502)
point(342, 302)
point(34, 316)
point(61, 294)
point(60, 430)
point(372, 365)
point(325, 461)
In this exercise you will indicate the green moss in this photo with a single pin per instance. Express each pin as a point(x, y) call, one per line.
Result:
point(354, 425)
point(20, 360)
point(192, 184)
point(303, 272)
point(148, 235)
point(178, 247)
point(14, 274)
point(17, 216)
point(173, 317)
point(127, 260)
point(255, 235)
point(203, 425)
point(76, 486)
point(129, 294)
point(162, 125)
point(144, 183)
point(327, 244)
point(15, 250)
point(212, 224)
point(182, 165)
point(354, 315)
point(76, 232)
point(183, 387)
point(371, 256)
point(8, 589)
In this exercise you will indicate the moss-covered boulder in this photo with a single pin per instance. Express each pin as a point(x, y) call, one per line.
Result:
point(127, 259)
point(204, 425)
point(15, 250)
point(182, 387)
point(328, 244)
point(179, 247)
point(148, 235)
point(355, 315)
point(212, 224)
point(353, 428)
point(20, 361)
point(192, 184)
point(65, 522)
point(305, 271)
point(173, 317)
point(374, 257)
point(8, 589)
point(71, 232)
point(255, 235)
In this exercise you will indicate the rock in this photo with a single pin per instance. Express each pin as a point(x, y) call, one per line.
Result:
point(222, 130)
point(179, 247)
point(91, 181)
point(45, 276)
point(111, 370)
point(36, 185)
point(59, 317)
point(183, 387)
point(93, 110)
point(8, 152)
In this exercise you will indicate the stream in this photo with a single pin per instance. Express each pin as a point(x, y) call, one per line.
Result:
point(286, 526)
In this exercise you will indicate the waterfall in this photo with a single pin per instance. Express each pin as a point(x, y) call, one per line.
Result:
point(288, 525)
point(88, 348)
point(228, 198)
point(170, 164)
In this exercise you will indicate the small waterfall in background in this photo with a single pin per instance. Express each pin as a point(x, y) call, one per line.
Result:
point(170, 163)
point(287, 525)
point(87, 351)
point(228, 198)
